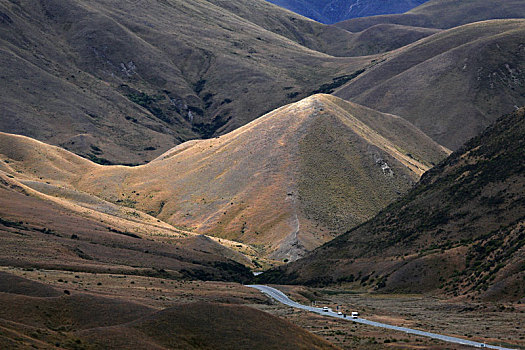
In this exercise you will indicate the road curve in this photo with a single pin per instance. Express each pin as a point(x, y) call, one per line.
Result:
point(281, 297)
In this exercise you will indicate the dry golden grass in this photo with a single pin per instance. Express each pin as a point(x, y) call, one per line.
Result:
point(284, 183)
point(458, 232)
point(443, 14)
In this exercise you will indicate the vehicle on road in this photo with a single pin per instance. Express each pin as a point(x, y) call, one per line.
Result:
point(355, 314)
point(339, 313)
point(325, 308)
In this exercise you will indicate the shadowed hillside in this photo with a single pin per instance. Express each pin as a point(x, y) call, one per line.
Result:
point(443, 14)
point(452, 84)
point(461, 230)
point(385, 37)
point(286, 182)
point(207, 326)
point(49, 318)
point(74, 70)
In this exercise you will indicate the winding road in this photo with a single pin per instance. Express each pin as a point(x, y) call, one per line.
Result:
point(281, 297)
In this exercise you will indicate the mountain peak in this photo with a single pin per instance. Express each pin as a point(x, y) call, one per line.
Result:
point(286, 182)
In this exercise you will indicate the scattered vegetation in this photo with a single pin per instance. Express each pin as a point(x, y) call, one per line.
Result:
point(337, 82)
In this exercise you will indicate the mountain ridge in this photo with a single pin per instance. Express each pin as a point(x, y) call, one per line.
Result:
point(460, 80)
point(442, 14)
point(261, 182)
point(79, 68)
point(460, 231)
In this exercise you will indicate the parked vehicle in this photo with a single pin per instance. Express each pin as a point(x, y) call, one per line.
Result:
point(355, 314)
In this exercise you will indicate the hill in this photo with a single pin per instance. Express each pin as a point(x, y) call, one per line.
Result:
point(70, 230)
point(442, 14)
point(285, 183)
point(207, 326)
point(451, 84)
point(383, 38)
point(81, 320)
point(339, 10)
point(74, 70)
point(461, 230)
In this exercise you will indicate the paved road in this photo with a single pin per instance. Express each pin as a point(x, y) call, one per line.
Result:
point(281, 297)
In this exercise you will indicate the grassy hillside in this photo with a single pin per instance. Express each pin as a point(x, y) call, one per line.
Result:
point(442, 14)
point(71, 230)
point(75, 70)
point(311, 34)
point(261, 184)
point(49, 318)
point(459, 231)
point(339, 10)
point(383, 38)
point(452, 84)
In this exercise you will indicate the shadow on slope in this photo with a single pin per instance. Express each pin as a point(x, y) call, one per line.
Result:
point(51, 318)
point(461, 230)
point(284, 183)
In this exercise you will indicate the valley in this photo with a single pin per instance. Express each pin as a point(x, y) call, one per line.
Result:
point(158, 157)
point(460, 317)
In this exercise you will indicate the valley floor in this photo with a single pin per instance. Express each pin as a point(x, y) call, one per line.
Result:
point(488, 322)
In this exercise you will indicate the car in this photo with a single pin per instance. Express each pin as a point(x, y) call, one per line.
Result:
point(325, 309)
point(339, 313)
point(355, 314)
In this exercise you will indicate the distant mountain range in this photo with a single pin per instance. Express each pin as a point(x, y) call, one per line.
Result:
point(443, 14)
point(77, 69)
point(333, 11)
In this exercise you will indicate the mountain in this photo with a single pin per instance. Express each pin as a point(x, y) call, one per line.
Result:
point(122, 82)
point(442, 14)
point(451, 84)
point(461, 230)
point(36, 315)
point(284, 183)
point(339, 10)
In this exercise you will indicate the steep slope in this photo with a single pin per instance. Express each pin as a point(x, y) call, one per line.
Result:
point(460, 230)
point(87, 234)
point(382, 38)
point(452, 84)
point(328, 39)
point(314, 35)
point(284, 183)
point(442, 14)
point(339, 10)
point(74, 70)
point(45, 317)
